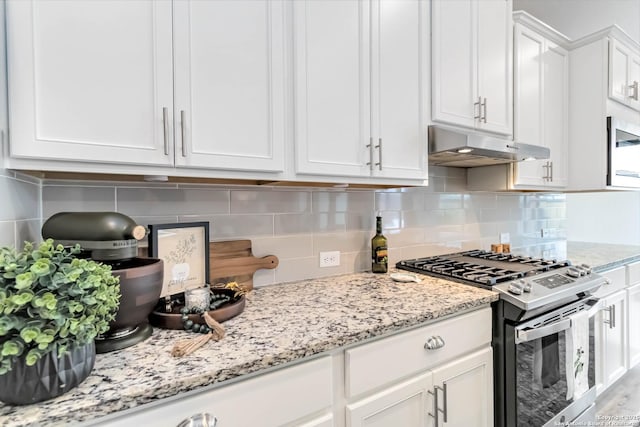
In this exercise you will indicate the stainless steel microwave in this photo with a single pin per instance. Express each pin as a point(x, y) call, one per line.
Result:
point(623, 153)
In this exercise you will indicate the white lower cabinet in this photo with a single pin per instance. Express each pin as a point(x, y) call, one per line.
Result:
point(611, 330)
point(459, 393)
point(467, 390)
point(404, 404)
point(633, 300)
point(432, 376)
point(633, 294)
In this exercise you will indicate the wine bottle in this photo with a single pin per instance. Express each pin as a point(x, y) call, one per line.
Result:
point(379, 249)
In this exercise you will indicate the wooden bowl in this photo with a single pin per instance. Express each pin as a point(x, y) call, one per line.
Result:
point(173, 320)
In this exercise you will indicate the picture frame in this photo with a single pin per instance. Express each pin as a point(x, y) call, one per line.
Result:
point(184, 249)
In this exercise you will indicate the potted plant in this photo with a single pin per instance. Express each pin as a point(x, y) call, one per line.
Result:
point(52, 306)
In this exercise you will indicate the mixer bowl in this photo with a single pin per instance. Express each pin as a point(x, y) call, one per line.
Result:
point(140, 287)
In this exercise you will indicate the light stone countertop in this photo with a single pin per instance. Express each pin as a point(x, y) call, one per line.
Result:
point(602, 256)
point(280, 324)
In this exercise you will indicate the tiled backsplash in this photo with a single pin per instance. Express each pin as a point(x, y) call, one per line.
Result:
point(295, 224)
point(20, 214)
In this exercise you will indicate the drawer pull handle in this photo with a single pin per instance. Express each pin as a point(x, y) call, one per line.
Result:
point(434, 343)
point(203, 419)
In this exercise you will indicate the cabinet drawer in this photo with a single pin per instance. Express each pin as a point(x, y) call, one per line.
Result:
point(273, 399)
point(386, 360)
point(633, 273)
point(618, 279)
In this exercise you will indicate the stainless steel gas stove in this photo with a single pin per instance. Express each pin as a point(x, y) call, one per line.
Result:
point(537, 313)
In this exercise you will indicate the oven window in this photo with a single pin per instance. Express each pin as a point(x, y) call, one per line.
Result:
point(541, 377)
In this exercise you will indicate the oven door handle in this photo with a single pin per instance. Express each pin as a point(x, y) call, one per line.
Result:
point(525, 335)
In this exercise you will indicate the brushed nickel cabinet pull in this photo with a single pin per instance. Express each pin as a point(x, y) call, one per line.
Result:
point(484, 104)
point(183, 132)
point(634, 87)
point(551, 171)
point(479, 104)
point(433, 343)
point(612, 316)
point(203, 419)
point(546, 175)
point(444, 402)
point(435, 408)
point(370, 147)
point(379, 147)
point(165, 128)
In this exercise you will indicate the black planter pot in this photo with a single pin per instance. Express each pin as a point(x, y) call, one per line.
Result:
point(50, 377)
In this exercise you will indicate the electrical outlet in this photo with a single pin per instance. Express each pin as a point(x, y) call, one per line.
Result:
point(504, 237)
point(330, 259)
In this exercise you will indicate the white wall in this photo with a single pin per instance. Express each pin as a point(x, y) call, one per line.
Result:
point(577, 18)
point(604, 217)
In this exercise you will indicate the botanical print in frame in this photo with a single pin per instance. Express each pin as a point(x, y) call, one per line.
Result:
point(184, 248)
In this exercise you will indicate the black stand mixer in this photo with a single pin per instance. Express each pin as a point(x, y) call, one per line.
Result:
point(112, 238)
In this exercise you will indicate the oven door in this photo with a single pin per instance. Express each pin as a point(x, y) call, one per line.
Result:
point(542, 386)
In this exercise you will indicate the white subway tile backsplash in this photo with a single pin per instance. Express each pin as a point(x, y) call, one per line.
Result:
point(21, 200)
point(344, 201)
point(293, 223)
point(295, 246)
point(229, 227)
point(29, 230)
point(76, 199)
point(296, 223)
point(7, 234)
point(351, 241)
point(270, 201)
point(399, 201)
point(171, 201)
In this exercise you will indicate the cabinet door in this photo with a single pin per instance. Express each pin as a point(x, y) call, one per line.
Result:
point(399, 88)
point(332, 87)
point(614, 319)
point(230, 90)
point(495, 70)
point(529, 115)
point(468, 385)
point(633, 294)
point(89, 80)
point(556, 113)
point(634, 82)
point(619, 56)
point(405, 404)
point(454, 82)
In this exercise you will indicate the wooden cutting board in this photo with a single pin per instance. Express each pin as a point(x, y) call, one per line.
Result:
point(233, 261)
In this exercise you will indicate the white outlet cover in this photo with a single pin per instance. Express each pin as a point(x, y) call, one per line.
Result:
point(504, 237)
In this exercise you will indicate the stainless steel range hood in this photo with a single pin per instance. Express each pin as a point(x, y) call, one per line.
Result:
point(456, 148)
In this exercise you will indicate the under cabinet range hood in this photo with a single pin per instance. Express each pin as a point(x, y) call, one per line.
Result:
point(456, 148)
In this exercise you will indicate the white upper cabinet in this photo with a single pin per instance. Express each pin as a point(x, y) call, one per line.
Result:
point(229, 84)
point(360, 73)
point(472, 64)
point(186, 83)
point(89, 81)
point(541, 97)
point(624, 74)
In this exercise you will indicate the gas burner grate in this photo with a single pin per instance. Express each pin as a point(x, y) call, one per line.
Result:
point(480, 267)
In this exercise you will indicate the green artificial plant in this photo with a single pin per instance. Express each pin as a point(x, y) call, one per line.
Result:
point(50, 298)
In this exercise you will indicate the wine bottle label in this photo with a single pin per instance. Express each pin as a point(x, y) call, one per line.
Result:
point(380, 254)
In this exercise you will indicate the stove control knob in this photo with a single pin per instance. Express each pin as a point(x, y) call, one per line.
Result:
point(572, 272)
point(526, 287)
point(515, 288)
point(587, 268)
